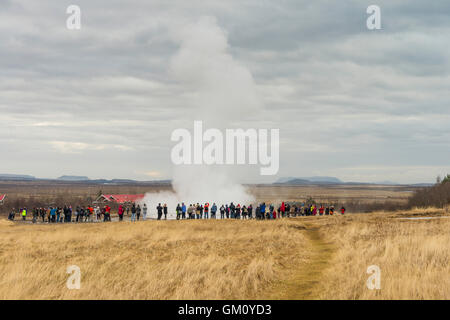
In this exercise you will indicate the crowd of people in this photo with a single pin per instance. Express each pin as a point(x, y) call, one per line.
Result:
point(262, 211)
point(98, 213)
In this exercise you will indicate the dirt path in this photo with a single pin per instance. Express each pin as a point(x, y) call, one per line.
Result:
point(303, 284)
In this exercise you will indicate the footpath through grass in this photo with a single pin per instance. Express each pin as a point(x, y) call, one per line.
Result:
point(303, 283)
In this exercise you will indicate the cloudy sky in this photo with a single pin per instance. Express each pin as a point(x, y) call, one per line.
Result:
point(358, 104)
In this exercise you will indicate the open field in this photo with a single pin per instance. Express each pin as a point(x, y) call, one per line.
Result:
point(298, 258)
point(148, 260)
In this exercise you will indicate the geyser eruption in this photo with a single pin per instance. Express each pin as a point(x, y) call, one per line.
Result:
point(224, 91)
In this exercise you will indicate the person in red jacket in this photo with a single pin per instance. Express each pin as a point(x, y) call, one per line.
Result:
point(282, 210)
point(121, 211)
point(342, 210)
point(107, 216)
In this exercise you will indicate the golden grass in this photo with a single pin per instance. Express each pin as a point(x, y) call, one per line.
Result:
point(148, 260)
point(413, 255)
point(302, 258)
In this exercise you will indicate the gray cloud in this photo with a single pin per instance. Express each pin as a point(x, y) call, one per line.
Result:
point(342, 96)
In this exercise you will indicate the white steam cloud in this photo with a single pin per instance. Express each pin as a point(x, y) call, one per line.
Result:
point(224, 91)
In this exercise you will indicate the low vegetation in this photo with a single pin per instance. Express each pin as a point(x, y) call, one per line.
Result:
point(149, 260)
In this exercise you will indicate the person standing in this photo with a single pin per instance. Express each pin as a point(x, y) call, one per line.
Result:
point(244, 212)
point(42, 214)
point(12, 214)
point(159, 209)
point(165, 211)
point(97, 213)
point(232, 210)
point(190, 211)
point(213, 211)
point(222, 212)
point(321, 210)
point(120, 213)
point(197, 211)
point(53, 214)
point(183, 211)
point(24, 214)
point(250, 211)
point(342, 210)
point(238, 212)
point(178, 210)
point(35, 214)
point(144, 211)
point(65, 213)
point(262, 208)
point(133, 212)
point(138, 212)
point(206, 208)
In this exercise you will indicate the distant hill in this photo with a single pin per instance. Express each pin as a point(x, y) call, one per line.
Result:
point(18, 177)
point(309, 180)
point(73, 178)
point(323, 179)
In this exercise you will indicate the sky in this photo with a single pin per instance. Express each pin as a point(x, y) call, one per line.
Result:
point(102, 101)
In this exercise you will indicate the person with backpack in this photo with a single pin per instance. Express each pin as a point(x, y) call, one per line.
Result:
point(244, 212)
point(213, 211)
point(222, 212)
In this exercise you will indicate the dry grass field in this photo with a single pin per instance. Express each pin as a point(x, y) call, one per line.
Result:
point(148, 260)
point(413, 256)
point(297, 258)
